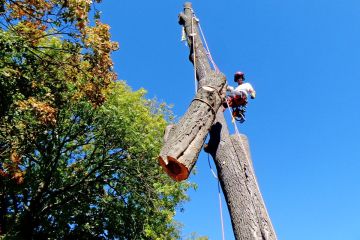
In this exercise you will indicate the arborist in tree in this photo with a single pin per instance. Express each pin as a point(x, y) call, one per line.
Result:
point(239, 96)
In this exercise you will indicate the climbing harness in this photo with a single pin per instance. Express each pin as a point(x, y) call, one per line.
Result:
point(238, 106)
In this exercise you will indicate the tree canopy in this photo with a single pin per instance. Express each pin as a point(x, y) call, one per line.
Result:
point(77, 147)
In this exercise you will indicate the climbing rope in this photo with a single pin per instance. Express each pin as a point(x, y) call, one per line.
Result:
point(196, 89)
point(208, 53)
point(219, 196)
point(193, 47)
point(250, 165)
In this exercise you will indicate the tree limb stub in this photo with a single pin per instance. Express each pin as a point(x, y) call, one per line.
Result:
point(183, 141)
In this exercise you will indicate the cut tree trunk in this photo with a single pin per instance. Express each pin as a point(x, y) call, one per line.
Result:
point(183, 142)
point(249, 216)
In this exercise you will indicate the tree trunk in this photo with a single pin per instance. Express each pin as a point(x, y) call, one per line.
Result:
point(184, 141)
point(249, 217)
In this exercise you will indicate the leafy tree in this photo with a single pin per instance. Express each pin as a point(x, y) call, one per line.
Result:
point(83, 52)
point(77, 148)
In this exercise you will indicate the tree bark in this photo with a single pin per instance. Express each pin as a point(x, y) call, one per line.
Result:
point(249, 217)
point(183, 141)
point(231, 154)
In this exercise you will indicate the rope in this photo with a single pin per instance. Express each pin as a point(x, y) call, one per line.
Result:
point(233, 119)
point(220, 202)
point(213, 110)
point(221, 215)
point(208, 53)
point(250, 165)
point(212, 171)
point(196, 89)
point(193, 48)
point(201, 100)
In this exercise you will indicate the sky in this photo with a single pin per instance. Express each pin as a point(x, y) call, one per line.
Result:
point(303, 59)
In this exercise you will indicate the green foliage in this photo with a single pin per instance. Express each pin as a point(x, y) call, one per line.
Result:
point(195, 236)
point(93, 174)
point(58, 34)
point(77, 149)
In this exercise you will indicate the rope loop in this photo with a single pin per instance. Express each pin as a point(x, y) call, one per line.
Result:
point(211, 107)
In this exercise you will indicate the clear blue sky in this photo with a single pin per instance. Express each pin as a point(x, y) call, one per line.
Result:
point(303, 58)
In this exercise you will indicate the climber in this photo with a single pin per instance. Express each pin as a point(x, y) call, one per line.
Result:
point(239, 95)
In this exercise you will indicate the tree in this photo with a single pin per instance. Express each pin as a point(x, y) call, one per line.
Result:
point(83, 53)
point(77, 148)
point(231, 154)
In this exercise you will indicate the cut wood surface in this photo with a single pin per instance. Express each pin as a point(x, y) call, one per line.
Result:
point(183, 143)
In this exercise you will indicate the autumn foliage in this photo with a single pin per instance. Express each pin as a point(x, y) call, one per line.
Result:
point(53, 34)
point(77, 147)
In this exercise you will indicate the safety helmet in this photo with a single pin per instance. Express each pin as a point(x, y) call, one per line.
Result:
point(238, 75)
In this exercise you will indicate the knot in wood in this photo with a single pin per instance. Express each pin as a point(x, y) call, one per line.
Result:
point(210, 88)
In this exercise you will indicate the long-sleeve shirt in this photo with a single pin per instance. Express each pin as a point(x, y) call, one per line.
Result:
point(244, 88)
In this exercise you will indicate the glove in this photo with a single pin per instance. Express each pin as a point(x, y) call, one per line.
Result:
point(252, 95)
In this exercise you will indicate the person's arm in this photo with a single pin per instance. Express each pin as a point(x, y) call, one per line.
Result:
point(253, 94)
point(251, 91)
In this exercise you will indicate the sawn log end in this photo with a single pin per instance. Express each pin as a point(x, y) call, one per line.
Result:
point(176, 170)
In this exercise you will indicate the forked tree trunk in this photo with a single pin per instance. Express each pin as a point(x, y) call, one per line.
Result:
point(183, 142)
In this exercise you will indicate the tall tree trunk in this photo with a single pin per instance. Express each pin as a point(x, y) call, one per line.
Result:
point(183, 141)
point(231, 154)
point(249, 217)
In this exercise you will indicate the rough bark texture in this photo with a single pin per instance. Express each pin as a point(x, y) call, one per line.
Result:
point(189, 22)
point(184, 141)
point(249, 217)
